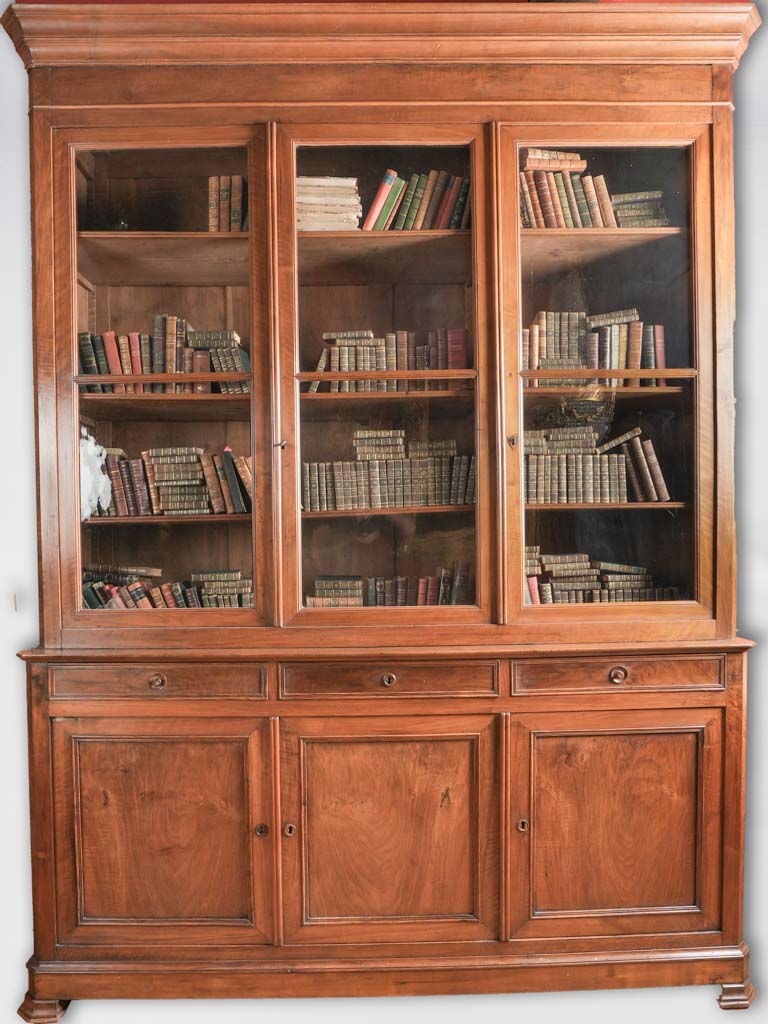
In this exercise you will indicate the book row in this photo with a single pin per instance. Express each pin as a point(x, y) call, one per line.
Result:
point(173, 347)
point(576, 578)
point(227, 203)
point(566, 340)
point(388, 483)
point(144, 589)
point(565, 465)
point(445, 348)
point(554, 195)
point(435, 200)
point(179, 482)
point(447, 586)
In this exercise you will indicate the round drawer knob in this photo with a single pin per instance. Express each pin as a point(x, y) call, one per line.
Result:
point(388, 679)
point(618, 674)
point(157, 682)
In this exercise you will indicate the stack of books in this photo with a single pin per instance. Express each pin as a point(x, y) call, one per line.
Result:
point(434, 200)
point(141, 587)
point(327, 204)
point(564, 465)
point(182, 481)
point(383, 476)
point(173, 347)
point(227, 203)
point(447, 586)
point(618, 340)
point(445, 348)
point(576, 578)
point(555, 193)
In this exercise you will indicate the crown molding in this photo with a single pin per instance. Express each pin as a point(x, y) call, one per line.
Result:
point(92, 35)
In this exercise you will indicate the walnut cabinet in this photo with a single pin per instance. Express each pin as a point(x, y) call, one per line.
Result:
point(383, 370)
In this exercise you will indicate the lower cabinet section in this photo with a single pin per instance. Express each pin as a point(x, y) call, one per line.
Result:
point(321, 832)
point(616, 822)
point(391, 829)
point(156, 831)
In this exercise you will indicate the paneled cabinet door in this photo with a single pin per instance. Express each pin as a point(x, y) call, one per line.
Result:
point(156, 824)
point(616, 822)
point(390, 829)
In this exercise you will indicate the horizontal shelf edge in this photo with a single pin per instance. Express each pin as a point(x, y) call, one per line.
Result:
point(407, 510)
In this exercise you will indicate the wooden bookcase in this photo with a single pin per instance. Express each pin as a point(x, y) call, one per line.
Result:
point(400, 751)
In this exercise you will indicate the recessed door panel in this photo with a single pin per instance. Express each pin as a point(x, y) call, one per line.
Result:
point(390, 829)
point(157, 830)
point(618, 823)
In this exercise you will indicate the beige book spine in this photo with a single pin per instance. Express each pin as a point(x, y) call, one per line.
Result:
point(655, 470)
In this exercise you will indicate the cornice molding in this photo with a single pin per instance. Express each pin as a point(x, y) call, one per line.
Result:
point(93, 35)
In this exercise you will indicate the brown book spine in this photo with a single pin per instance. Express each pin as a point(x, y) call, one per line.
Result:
point(168, 595)
point(225, 202)
point(170, 350)
point(244, 472)
point(534, 348)
point(426, 199)
point(538, 216)
point(594, 206)
point(644, 473)
point(555, 196)
point(201, 363)
point(118, 491)
point(527, 203)
point(545, 199)
point(604, 201)
point(212, 483)
point(224, 484)
point(655, 470)
point(154, 494)
point(634, 350)
point(213, 203)
point(438, 195)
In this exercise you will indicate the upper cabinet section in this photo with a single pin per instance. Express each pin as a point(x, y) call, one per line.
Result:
point(164, 379)
point(387, 368)
point(612, 350)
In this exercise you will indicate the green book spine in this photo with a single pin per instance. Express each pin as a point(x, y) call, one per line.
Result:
point(415, 202)
point(461, 202)
point(405, 206)
point(389, 202)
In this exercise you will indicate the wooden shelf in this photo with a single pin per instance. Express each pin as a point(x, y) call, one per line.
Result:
point(166, 408)
point(426, 375)
point(546, 251)
point(645, 506)
point(170, 520)
point(408, 510)
point(346, 397)
point(164, 257)
point(594, 389)
point(357, 257)
point(588, 373)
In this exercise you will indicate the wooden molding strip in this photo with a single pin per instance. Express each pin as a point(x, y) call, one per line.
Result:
point(158, 34)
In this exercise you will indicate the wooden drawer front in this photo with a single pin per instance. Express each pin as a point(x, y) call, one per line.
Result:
point(617, 673)
point(391, 679)
point(160, 681)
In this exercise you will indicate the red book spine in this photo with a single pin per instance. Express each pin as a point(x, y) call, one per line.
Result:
point(113, 358)
point(443, 218)
point(545, 199)
point(457, 348)
point(135, 347)
point(378, 201)
point(661, 353)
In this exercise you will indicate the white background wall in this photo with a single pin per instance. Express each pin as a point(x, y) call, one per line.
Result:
point(18, 615)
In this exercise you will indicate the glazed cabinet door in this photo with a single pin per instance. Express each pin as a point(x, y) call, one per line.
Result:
point(616, 823)
point(390, 829)
point(158, 837)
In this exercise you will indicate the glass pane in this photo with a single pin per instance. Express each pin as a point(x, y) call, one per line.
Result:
point(386, 376)
point(163, 300)
point(608, 456)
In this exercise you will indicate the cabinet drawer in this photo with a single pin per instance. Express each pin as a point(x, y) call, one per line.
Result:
point(617, 673)
point(177, 680)
point(391, 679)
